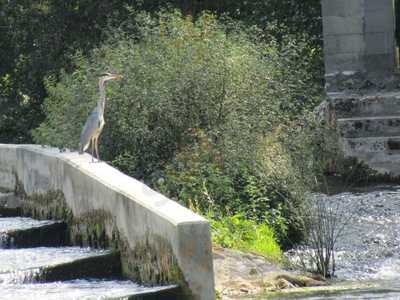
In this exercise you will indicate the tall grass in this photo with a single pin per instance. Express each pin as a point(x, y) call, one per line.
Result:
point(239, 233)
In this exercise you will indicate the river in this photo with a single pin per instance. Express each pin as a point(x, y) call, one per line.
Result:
point(368, 250)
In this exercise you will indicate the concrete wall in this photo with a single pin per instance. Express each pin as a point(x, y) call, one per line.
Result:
point(139, 212)
point(358, 36)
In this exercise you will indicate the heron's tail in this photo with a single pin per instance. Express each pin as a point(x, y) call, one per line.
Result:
point(80, 148)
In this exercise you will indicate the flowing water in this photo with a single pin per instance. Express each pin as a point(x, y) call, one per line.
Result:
point(19, 267)
point(19, 223)
point(368, 252)
point(83, 289)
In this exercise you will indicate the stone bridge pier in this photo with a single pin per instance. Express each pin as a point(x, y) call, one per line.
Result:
point(359, 37)
point(362, 79)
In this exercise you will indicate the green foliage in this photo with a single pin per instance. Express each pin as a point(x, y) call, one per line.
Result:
point(270, 188)
point(237, 232)
point(199, 115)
point(297, 16)
point(211, 111)
point(196, 178)
point(37, 39)
point(299, 19)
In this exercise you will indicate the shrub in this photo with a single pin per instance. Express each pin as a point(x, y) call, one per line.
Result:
point(204, 114)
point(327, 221)
point(267, 188)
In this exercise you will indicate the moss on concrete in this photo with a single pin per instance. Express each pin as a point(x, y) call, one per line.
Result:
point(149, 261)
point(5, 190)
point(49, 206)
point(92, 229)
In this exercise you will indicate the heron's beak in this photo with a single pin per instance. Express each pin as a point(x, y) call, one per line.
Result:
point(118, 76)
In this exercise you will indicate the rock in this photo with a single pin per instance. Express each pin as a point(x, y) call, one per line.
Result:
point(277, 281)
point(324, 113)
point(241, 287)
point(282, 284)
point(238, 273)
point(253, 271)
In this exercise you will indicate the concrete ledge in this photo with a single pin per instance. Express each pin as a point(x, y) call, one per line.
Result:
point(9, 205)
point(368, 105)
point(141, 215)
point(368, 126)
point(48, 235)
point(99, 266)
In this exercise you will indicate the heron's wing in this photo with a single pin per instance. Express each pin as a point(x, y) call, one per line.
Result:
point(91, 126)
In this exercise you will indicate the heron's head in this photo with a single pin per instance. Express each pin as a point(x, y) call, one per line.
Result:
point(110, 76)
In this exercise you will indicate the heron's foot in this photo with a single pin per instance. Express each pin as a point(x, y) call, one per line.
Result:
point(96, 160)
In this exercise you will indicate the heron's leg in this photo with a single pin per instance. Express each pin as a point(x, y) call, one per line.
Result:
point(92, 146)
point(97, 148)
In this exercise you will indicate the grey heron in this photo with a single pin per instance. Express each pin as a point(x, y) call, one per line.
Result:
point(95, 122)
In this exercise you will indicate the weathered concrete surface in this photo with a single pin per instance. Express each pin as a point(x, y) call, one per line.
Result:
point(369, 126)
point(366, 105)
point(141, 215)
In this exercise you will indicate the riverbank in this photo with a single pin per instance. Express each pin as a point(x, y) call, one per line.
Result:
point(367, 256)
point(239, 274)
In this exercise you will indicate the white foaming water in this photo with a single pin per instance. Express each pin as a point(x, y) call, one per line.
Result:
point(19, 269)
point(19, 276)
point(30, 258)
point(389, 270)
point(19, 223)
point(76, 290)
point(369, 249)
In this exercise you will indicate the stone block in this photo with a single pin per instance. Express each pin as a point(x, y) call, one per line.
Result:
point(358, 32)
point(368, 126)
point(379, 43)
point(380, 63)
point(379, 21)
point(342, 8)
point(335, 25)
point(343, 62)
point(344, 43)
point(385, 6)
point(372, 105)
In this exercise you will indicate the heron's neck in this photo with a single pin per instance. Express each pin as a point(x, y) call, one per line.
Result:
point(102, 99)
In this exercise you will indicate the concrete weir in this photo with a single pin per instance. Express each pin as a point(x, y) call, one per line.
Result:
point(159, 240)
